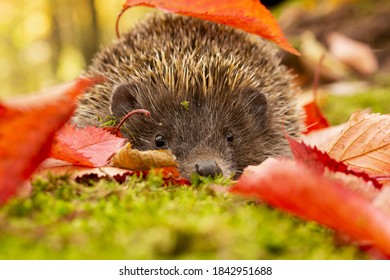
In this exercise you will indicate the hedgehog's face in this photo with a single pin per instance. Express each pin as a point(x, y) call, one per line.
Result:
point(218, 133)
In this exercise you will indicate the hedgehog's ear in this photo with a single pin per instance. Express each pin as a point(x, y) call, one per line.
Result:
point(123, 100)
point(258, 105)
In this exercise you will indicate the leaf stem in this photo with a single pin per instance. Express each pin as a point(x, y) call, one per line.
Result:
point(137, 111)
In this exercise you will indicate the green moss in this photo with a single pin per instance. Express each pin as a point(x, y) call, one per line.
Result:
point(338, 109)
point(143, 220)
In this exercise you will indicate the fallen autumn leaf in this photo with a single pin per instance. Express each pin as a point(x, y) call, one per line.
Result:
point(38, 120)
point(248, 15)
point(89, 146)
point(292, 187)
point(364, 143)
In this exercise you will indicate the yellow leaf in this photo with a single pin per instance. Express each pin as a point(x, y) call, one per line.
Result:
point(364, 143)
point(133, 159)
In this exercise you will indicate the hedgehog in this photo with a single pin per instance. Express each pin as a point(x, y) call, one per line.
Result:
point(219, 98)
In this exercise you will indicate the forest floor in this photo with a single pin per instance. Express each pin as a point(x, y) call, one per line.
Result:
point(141, 219)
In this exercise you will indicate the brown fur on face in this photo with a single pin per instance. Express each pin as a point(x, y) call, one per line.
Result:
point(233, 83)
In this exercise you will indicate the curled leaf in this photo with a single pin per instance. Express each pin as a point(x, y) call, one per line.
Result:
point(133, 159)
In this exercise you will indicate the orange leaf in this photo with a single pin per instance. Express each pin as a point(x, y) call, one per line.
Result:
point(248, 15)
point(89, 146)
point(364, 143)
point(27, 131)
point(295, 188)
point(130, 158)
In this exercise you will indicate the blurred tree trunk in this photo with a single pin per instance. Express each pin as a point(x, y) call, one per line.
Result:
point(91, 45)
point(55, 39)
point(74, 24)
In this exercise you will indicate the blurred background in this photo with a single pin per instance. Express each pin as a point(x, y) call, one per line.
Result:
point(44, 43)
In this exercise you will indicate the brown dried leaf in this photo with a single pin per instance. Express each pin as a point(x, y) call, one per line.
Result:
point(133, 159)
point(364, 143)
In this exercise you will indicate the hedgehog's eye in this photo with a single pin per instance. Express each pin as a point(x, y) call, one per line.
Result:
point(229, 136)
point(160, 141)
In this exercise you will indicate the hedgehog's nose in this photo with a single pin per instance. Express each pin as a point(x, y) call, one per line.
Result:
point(208, 168)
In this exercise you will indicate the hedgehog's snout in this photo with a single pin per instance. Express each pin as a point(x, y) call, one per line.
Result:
point(207, 168)
point(206, 164)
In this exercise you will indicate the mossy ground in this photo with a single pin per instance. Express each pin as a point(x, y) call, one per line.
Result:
point(338, 109)
point(141, 219)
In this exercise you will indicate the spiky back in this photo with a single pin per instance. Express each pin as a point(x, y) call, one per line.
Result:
point(183, 53)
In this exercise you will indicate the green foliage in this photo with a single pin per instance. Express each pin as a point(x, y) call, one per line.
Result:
point(108, 121)
point(143, 220)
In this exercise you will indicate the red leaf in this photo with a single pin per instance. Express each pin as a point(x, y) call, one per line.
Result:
point(113, 130)
point(314, 118)
point(26, 133)
point(318, 160)
point(90, 146)
point(248, 15)
point(295, 188)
